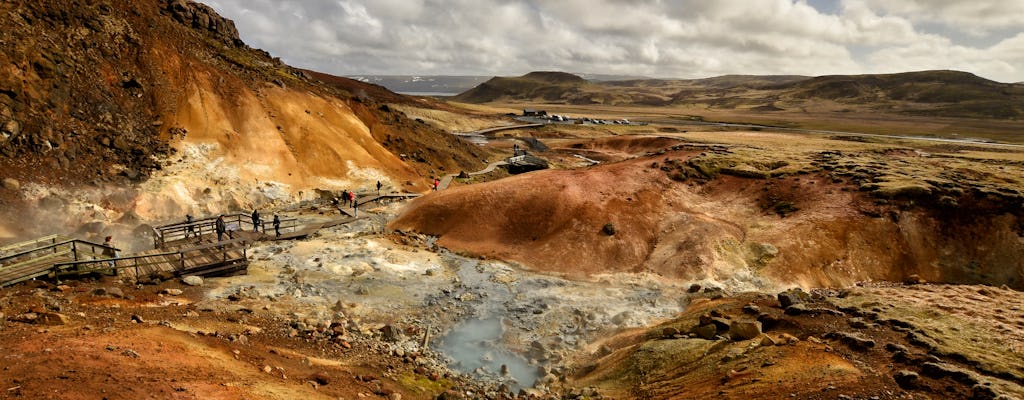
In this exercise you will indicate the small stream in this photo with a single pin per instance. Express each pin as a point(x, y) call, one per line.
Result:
point(475, 346)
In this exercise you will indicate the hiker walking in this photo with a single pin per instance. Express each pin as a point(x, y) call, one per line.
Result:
point(277, 226)
point(220, 227)
point(255, 220)
point(109, 250)
point(378, 188)
point(352, 198)
point(190, 229)
point(436, 182)
point(344, 195)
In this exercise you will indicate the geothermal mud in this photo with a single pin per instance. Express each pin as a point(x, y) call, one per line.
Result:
point(489, 319)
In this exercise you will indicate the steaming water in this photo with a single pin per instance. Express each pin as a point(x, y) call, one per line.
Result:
point(475, 347)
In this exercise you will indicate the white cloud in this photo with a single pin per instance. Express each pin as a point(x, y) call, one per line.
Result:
point(667, 38)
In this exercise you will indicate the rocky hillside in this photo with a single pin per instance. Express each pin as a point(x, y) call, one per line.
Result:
point(541, 86)
point(162, 100)
point(940, 93)
point(776, 212)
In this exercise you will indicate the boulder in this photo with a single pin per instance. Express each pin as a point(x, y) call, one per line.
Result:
point(721, 324)
point(852, 340)
point(744, 330)
point(115, 292)
point(906, 379)
point(791, 297)
point(172, 292)
point(11, 184)
point(192, 280)
point(391, 333)
point(51, 318)
point(706, 332)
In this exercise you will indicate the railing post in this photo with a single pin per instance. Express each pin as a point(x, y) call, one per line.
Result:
point(74, 251)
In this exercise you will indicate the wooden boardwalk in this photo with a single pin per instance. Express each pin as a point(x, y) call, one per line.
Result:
point(208, 259)
point(24, 261)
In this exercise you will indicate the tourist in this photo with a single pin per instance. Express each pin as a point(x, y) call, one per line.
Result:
point(190, 229)
point(256, 220)
point(220, 227)
point(109, 250)
point(277, 226)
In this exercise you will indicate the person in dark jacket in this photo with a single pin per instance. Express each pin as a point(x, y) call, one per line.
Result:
point(220, 227)
point(277, 226)
point(255, 220)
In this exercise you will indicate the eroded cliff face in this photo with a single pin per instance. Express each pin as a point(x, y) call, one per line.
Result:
point(143, 111)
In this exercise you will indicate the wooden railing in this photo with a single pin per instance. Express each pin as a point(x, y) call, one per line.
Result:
point(31, 263)
point(181, 261)
point(164, 234)
point(32, 244)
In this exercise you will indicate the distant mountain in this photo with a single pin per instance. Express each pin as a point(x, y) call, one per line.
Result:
point(946, 93)
point(542, 86)
point(423, 84)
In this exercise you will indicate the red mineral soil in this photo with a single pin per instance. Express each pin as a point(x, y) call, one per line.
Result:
point(89, 340)
point(632, 216)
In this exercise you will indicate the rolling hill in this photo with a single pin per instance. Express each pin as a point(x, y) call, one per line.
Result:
point(939, 93)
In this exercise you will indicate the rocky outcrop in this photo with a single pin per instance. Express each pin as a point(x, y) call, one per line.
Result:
point(202, 17)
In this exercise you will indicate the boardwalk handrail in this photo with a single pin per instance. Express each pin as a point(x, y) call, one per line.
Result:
point(29, 264)
point(112, 265)
point(168, 233)
point(54, 246)
point(33, 243)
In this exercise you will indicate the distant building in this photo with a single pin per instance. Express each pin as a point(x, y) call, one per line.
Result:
point(534, 113)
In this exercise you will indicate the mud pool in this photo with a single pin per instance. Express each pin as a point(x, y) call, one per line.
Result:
point(489, 319)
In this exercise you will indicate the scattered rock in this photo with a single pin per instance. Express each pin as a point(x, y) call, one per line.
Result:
point(721, 324)
point(138, 319)
point(853, 340)
point(694, 288)
point(130, 353)
point(788, 339)
point(192, 280)
point(857, 323)
point(914, 279)
point(390, 333)
point(706, 332)
point(608, 229)
point(942, 370)
point(906, 379)
point(321, 378)
point(116, 293)
point(172, 292)
point(11, 184)
point(744, 330)
point(768, 321)
point(50, 318)
point(791, 297)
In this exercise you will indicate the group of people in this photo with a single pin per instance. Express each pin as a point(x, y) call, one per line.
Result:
point(220, 226)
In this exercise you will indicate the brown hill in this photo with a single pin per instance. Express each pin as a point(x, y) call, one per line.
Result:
point(695, 214)
point(114, 92)
point(940, 93)
point(542, 86)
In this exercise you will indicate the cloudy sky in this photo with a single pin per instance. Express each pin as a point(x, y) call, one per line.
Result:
point(655, 38)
